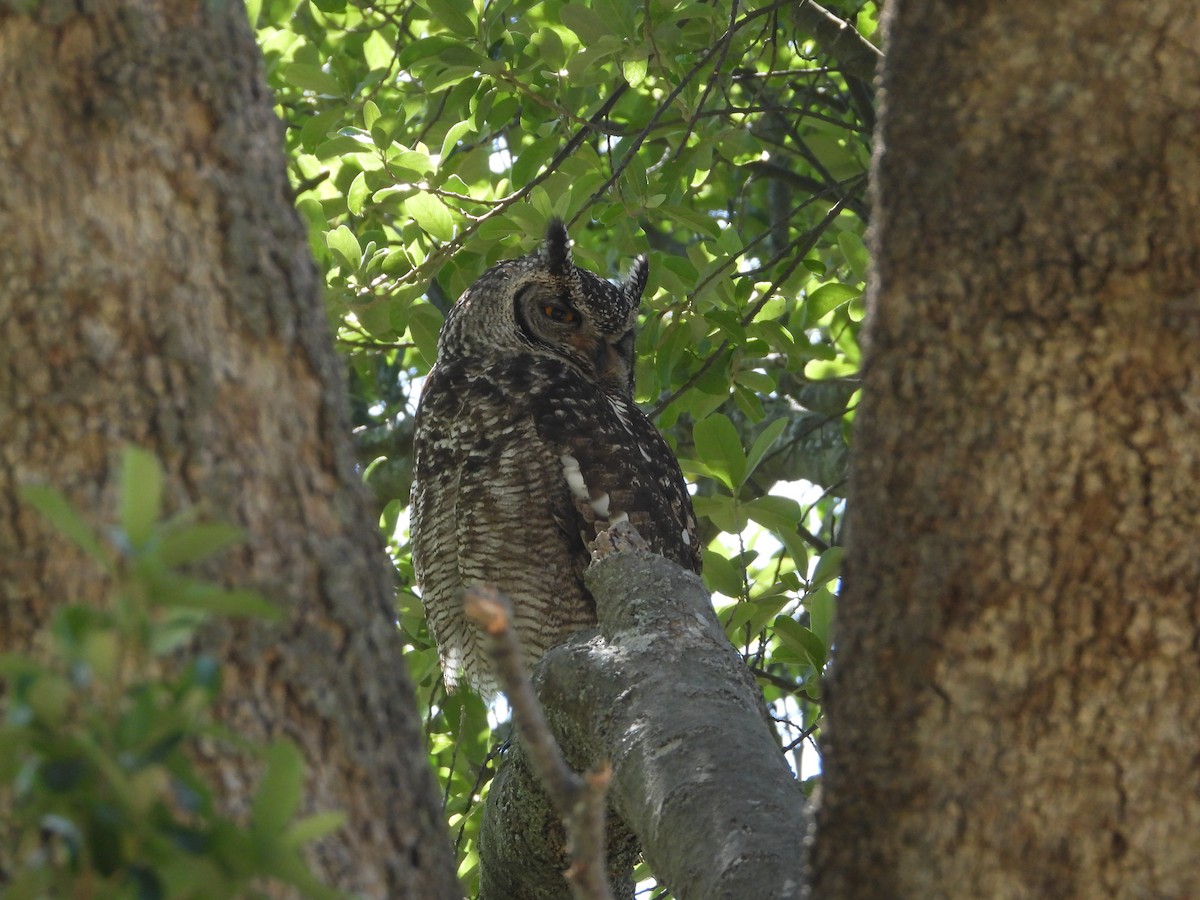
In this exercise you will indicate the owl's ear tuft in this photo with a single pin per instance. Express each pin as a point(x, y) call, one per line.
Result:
point(635, 283)
point(557, 248)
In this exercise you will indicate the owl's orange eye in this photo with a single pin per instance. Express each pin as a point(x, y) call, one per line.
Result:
point(558, 313)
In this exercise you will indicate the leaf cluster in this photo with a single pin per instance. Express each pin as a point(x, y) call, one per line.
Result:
point(99, 777)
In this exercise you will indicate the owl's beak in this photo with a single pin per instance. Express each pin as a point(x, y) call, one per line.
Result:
point(612, 364)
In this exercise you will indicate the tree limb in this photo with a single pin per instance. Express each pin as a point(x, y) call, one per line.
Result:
point(579, 801)
point(698, 776)
point(840, 39)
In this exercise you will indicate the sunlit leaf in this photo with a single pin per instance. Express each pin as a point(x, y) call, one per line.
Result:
point(431, 215)
point(719, 447)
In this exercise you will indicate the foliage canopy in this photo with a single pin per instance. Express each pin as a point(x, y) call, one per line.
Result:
point(726, 141)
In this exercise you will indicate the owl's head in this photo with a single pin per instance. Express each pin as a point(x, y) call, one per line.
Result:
point(543, 304)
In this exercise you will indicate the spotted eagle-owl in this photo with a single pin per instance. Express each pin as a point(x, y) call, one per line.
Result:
point(528, 443)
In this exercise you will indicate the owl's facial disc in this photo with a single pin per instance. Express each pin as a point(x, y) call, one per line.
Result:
point(550, 314)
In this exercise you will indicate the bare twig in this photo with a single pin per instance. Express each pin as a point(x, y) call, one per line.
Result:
point(579, 801)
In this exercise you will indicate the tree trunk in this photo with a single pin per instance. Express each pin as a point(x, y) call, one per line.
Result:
point(157, 289)
point(1014, 709)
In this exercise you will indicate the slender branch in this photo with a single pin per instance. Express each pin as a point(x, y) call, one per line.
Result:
point(579, 801)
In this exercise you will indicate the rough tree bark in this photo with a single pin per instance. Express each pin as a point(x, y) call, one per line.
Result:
point(1013, 710)
point(698, 776)
point(156, 288)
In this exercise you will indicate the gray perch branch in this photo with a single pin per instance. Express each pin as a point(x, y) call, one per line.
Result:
point(698, 776)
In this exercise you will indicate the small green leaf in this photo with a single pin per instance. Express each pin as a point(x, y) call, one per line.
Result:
point(431, 215)
point(214, 599)
point(315, 826)
point(193, 542)
point(763, 443)
point(855, 251)
point(806, 646)
point(357, 195)
point(719, 447)
point(279, 791)
point(456, 131)
point(311, 78)
point(634, 71)
point(141, 494)
point(820, 612)
point(722, 574)
point(829, 297)
point(829, 566)
point(723, 511)
point(344, 245)
point(63, 516)
point(586, 23)
point(425, 324)
point(414, 161)
point(453, 15)
point(379, 55)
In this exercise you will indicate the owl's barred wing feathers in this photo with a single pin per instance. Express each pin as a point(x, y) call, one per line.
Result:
point(617, 467)
point(490, 515)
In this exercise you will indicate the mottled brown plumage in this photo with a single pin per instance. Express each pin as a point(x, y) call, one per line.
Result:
point(528, 443)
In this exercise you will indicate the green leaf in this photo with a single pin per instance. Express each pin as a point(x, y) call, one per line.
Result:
point(829, 566)
point(280, 790)
point(378, 53)
point(413, 161)
point(586, 23)
point(141, 494)
point(63, 516)
point(806, 646)
point(720, 448)
point(221, 601)
point(776, 513)
point(855, 251)
point(634, 71)
point(829, 297)
point(311, 78)
point(198, 541)
point(722, 575)
point(431, 215)
point(456, 131)
point(453, 15)
point(763, 443)
point(344, 245)
point(723, 511)
point(820, 613)
point(370, 112)
point(357, 195)
point(426, 48)
point(425, 325)
point(315, 826)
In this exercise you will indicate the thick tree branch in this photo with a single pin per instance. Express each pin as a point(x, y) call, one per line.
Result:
point(698, 774)
point(578, 800)
point(840, 39)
